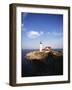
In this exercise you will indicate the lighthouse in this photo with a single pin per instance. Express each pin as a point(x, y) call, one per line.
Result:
point(41, 46)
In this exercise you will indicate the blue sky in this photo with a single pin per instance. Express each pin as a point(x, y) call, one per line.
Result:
point(47, 28)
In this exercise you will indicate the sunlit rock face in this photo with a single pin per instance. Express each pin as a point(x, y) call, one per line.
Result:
point(36, 55)
point(45, 63)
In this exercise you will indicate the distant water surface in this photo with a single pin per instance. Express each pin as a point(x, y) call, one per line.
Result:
point(37, 68)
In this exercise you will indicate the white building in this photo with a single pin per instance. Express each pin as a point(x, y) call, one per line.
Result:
point(47, 49)
point(41, 46)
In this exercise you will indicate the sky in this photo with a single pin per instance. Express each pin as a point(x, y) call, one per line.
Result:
point(47, 28)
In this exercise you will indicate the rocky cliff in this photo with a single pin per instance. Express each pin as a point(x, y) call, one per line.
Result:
point(36, 55)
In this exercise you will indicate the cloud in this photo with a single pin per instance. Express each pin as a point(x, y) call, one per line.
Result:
point(55, 33)
point(34, 34)
point(23, 29)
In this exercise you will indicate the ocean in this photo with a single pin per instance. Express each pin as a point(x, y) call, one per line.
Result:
point(48, 67)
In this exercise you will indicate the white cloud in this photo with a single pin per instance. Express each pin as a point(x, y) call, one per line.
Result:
point(48, 32)
point(23, 28)
point(55, 33)
point(41, 33)
point(34, 34)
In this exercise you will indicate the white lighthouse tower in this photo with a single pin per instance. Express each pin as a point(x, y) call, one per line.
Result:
point(41, 46)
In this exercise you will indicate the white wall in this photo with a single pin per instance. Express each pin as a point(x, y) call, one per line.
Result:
point(4, 45)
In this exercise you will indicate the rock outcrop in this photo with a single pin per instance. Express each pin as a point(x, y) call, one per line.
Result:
point(36, 55)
